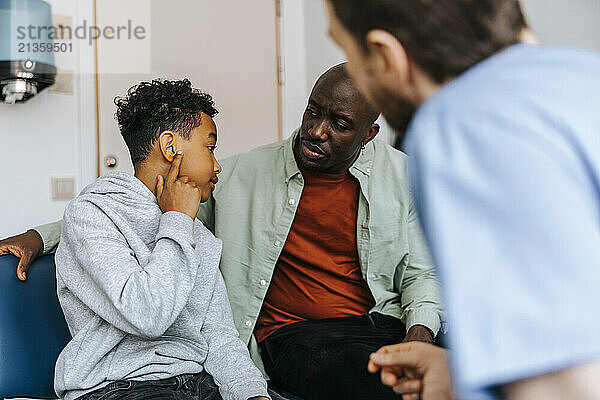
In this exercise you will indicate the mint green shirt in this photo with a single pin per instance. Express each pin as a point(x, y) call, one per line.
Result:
point(252, 210)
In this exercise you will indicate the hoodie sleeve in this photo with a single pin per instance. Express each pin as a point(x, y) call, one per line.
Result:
point(228, 360)
point(100, 268)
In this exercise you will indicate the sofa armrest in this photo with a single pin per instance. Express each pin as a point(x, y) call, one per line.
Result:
point(32, 329)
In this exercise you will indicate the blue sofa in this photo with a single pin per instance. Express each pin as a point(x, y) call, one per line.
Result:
point(33, 330)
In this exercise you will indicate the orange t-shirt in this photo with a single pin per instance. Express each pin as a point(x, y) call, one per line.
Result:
point(318, 273)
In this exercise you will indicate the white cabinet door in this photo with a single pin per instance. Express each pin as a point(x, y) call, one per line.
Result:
point(227, 48)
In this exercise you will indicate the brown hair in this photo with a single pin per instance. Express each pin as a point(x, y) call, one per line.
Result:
point(444, 37)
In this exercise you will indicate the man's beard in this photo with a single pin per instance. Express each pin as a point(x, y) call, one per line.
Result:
point(308, 166)
point(304, 163)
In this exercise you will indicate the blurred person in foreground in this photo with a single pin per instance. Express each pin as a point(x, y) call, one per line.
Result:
point(505, 161)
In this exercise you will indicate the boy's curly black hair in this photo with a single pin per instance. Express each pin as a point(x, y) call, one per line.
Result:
point(153, 107)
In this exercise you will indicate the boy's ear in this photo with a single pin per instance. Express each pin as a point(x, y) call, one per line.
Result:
point(166, 142)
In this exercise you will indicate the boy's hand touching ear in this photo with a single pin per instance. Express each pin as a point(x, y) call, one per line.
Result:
point(178, 193)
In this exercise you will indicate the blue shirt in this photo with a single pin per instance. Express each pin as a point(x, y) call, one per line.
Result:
point(505, 161)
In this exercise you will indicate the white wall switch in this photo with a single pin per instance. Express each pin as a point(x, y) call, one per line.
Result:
point(63, 188)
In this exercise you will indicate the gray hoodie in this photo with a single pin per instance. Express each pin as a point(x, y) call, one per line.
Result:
point(143, 296)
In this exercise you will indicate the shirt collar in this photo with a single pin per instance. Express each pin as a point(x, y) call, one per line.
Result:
point(362, 164)
point(291, 168)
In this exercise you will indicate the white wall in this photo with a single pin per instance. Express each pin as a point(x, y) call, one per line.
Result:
point(568, 23)
point(321, 52)
point(43, 138)
point(293, 56)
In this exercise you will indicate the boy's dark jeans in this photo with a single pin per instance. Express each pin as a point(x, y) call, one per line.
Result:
point(186, 387)
point(327, 359)
point(183, 387)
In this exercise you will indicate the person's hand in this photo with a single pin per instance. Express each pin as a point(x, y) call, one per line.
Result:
point(432, 381)
point(27, 246)
point(418, 333)
point(178, 193)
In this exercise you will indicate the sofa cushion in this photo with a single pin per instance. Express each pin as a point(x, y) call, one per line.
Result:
point(32, 329)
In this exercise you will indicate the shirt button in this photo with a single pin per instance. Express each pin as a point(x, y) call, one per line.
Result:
point(292, 202)
point(248, 323)
point(368, 170)
point(263, 282)
point(277, 243)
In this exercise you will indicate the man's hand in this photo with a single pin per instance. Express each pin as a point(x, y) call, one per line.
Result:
point(418, 333)
point(428, 362)
point(175, 193)
point(27, 246)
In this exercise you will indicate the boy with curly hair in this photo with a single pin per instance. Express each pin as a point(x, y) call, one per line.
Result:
point(138, 275)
